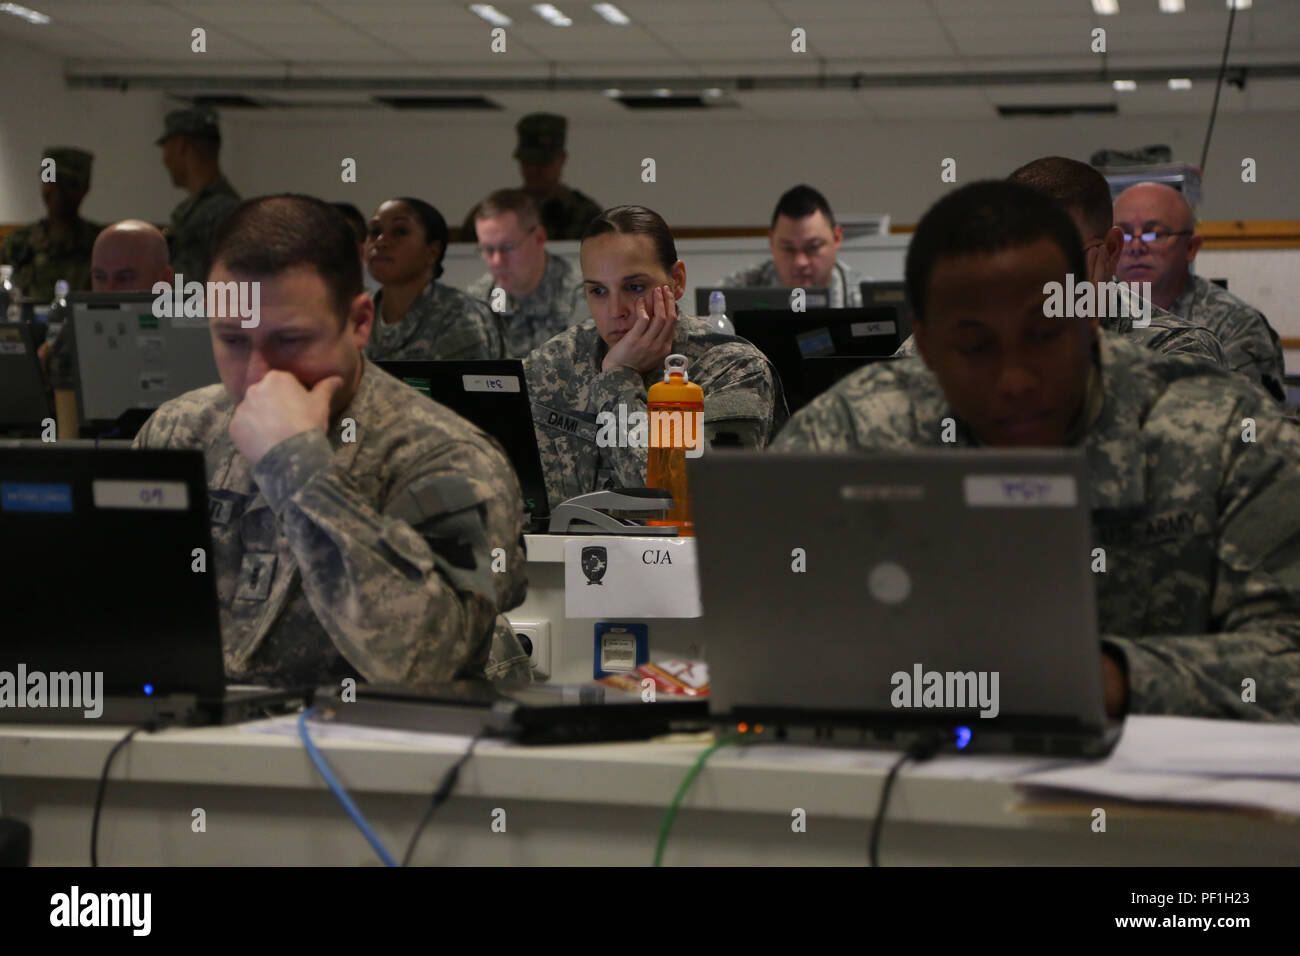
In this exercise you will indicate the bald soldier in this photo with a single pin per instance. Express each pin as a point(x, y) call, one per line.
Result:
point(128, 256)
point(1194, 473)
point(1160, 243)
point(58, 246)
point(359, 529)
point(1085, 195)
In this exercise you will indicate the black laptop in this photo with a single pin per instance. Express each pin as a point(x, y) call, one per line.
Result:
point(787, 338)
point(24, 402)
point(102, 587)
point(494, 396)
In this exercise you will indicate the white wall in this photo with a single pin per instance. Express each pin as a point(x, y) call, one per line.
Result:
point(712, 170)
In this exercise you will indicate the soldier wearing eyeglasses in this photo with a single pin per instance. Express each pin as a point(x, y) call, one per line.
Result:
point(1160, 242)
point(534, 294)
point(805, 240)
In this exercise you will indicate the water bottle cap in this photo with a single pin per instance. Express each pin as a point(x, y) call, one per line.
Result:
point(717, 301)
point(61, 289)
point(6, 272)
point(675, 364)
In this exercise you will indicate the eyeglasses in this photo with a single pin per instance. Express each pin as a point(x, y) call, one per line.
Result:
point(1156, 235)
point(506, 248)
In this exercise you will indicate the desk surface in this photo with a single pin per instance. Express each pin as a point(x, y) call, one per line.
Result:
point(263, 803)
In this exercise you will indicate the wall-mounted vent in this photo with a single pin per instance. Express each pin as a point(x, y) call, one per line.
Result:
point(1057, 109)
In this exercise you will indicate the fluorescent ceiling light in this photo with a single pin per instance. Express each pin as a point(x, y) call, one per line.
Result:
point(1105, 8)
point(1178, 83)
point(663, 91)
point(491, 14)
point(1171, 6)
point(1125, 86)
point(612, 14)
point(713, 92)
point(549, 13)
point(1238, 4)
point(613, 94)
point(31, 16)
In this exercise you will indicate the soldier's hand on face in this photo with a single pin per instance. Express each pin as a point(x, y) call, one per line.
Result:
point(650, 339)
point(278, 407)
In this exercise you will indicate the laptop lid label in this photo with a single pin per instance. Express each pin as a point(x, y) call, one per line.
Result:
point(141, 495)
point(860, 330)
point(1020, 491)
point(36, 498)
point(490, 383)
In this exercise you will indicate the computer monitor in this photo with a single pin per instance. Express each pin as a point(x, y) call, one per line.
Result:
point(787, 338)
point(129, 360)
point(24, 403)
point(750, 299)
point(492, 394)
point(889, 294)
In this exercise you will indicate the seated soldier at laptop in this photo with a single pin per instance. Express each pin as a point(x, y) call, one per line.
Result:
point(587, 373)
point(359, 529)
point(1195, 489)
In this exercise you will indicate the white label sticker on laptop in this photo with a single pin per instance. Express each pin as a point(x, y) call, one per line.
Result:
point(1020, 491)
point(141, 495)
point(861, 330)
point(490, 383)
point(12, 348)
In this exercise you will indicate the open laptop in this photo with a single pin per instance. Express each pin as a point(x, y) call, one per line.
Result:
point(24, 403)
point(493, 394)
point(129, 361)
point(755, 298)
point(972, 562)
point(787, 338)
point(99, 577)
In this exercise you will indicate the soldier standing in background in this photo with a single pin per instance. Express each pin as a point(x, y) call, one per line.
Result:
point(58, 246)
point(190, 143)
point(565, 212)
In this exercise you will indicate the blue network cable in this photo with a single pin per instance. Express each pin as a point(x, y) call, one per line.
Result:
point(332, 782)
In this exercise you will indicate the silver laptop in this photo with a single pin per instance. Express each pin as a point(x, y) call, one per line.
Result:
point(127, 358)
point(943, 593)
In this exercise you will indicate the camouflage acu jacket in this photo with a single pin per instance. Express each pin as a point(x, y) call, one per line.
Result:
point(1249, 342)
point(371, 558)
point(40, 260)
point(557, 303)
point(845, 290)
point(193, 224)
point(1201, 529)
point(568, 391)
point(442, 324)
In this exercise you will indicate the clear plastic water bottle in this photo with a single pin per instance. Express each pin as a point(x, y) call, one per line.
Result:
point(718, 313)
point(58, 313)
point(10, 295)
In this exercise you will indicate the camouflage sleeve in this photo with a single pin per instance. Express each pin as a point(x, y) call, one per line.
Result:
point(609, 390)
point(739, 395)
point(507, 660)
point(907, 348)
point(1198, 343)
point(824, 424)
point(424, 566)
point(1253, 349)
point(1256, 593)
point(490, 323)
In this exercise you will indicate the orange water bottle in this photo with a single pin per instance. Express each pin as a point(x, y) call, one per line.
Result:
point(676, 411)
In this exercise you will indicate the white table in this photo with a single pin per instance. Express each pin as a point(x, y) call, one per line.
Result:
point(597, 804)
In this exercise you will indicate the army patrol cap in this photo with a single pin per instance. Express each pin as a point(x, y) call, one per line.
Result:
point(541, 137)
point(195, 121)
point(71, 165)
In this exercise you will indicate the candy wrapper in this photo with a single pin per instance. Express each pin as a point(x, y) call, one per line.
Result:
point(672, 677)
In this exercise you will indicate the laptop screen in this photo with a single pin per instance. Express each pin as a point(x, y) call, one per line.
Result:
point(23, 401)
point(494, 396)
point(129, 358)
point(108, 567)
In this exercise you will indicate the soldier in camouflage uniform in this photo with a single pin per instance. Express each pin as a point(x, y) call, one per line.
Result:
point(58, 246)
point(1195, 490)
point(359, 529)
point(539, 295)
point(1160, 244)
point(190, 143)
point(564, 211)
point(417, 317)
point(611, 363)
point(1085, 194)
point(805, 240)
